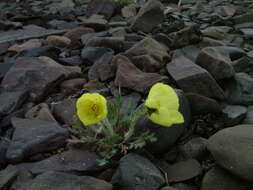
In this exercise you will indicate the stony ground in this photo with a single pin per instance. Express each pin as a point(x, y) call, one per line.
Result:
point(52, 51)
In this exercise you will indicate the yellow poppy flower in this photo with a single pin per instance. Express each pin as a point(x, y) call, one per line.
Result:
point(91, 108)
point(164, 103)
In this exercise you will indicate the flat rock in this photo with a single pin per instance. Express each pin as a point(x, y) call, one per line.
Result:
point(137, 173)
point(129, 76)
point(216, 63)
point(219, 179)
point(192, 78)
point(249, 116)
point(34, 136)
point(33, 43)
point(28, 32)
point(36, 75)
point(62, 181)
point(223, 144)
point(95, 22)
point(235, 114)
point(150, 15)
point(71, 161)
point(115, 43)
point(185, 170)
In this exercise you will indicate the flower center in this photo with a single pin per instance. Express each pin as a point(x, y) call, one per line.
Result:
point(94, 109)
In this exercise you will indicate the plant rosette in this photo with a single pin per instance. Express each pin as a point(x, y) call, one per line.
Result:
point(104, 125)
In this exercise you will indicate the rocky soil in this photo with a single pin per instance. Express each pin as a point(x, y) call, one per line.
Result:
point(52, 51)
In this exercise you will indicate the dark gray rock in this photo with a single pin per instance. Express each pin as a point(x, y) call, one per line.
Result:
point(194, 148)
point(244, 64)
point(11, 101)
point(5, 66)
point(223, 144)
point(71, 61)
point(216, 63)
point(192, 78)
point(150, 15)
point(4, 144)
point(7, 176)
point(102, 69)
point(34, 136)
point(182, 171)
point(167, 136)
point(235, 114)
point(249, 116)
point(148, 55)
point(96, 22)
point(183, 186)
point(234, 52)
point(240, 90)
point(65, 111)
point(71, 161)
point(219, 179)
point(137, 173)
point(62, 181)
point(115, 43)
point(202, 105)
point(91, 54)
point(36, 75)
point(168, 188)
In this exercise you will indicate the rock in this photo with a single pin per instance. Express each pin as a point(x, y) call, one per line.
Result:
point(216, 32)
point(183, 186)
point(72, 85)
point(244, 64)
point(194, 148)
point(182, 171)
point(58, 41)
point(168, 188)
point(227, 11)
point(40, 112)
point(4, 144)
point(86, 37)
point(34, 136)
point(62, 181)
point(71, 161)
point(115, 43)
point(192, 78)
point(186, 36)
point(247, 32)
point(202, 105)
point(101, 7)
point(4, 48)
point(36, 75)
point(167, 135)
point(61, 24)
point(5, 67)
point(93, 85)
point(91, 54)
point(130, 77)
point(102, 69)
point(75, 34)
point(234, 52)
point(33, 43)
point(216, 63)
point(218, 178)
point(249, 116)
point(11, 101)
point(235, 114)
point(71, 61)
point(209, 42)
point(137, 173)
point(148, 55)
point(244, 18)
point(7, 176)
point(150, 15)
point(191, 52)
point(223, 144)
point(240, 90)
point(65, 111)
point(28, 32)
point(129, 11)
point(96, 21)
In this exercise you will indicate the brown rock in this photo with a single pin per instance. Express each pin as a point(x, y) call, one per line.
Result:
point(76, 33)
point(129, 76)
point(34, 43)
point(58, 41)
point(72, 85)
point(129, 11)
point(93, 85)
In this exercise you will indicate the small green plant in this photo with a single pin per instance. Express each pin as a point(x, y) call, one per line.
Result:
point(111, 129)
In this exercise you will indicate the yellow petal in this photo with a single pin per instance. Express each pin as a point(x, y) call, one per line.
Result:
point(166, 117)
point(91, 108)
